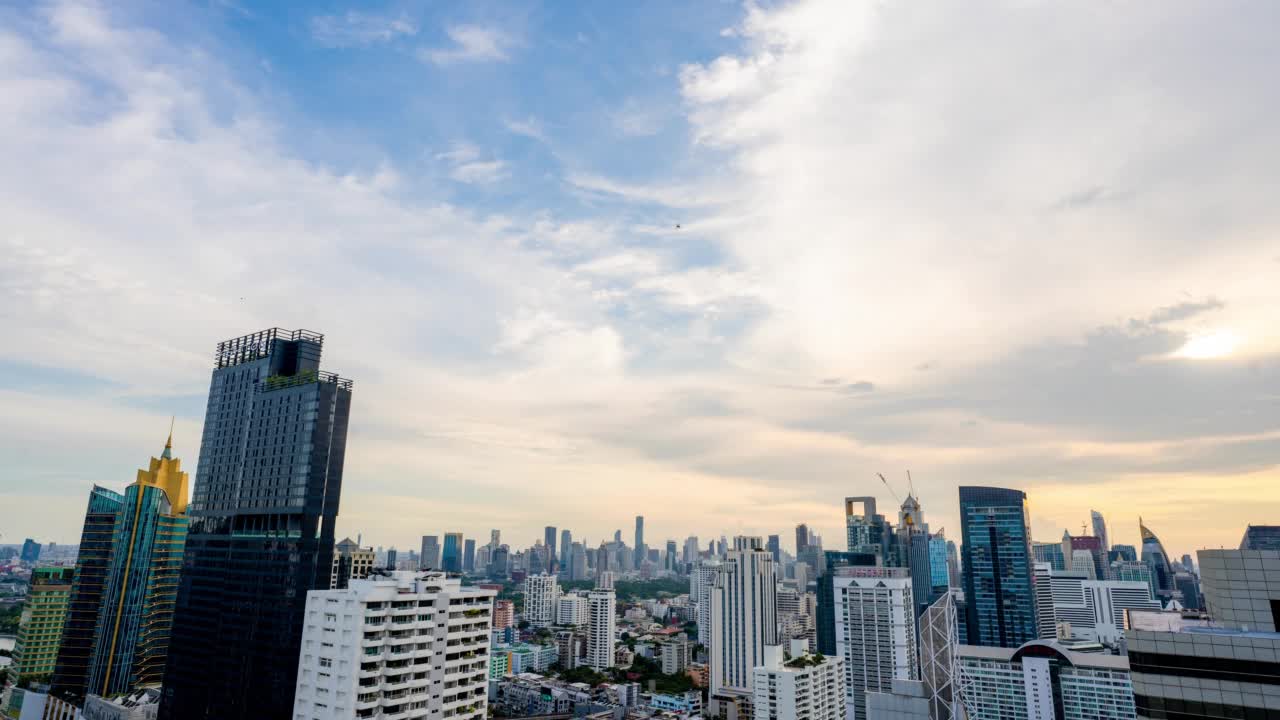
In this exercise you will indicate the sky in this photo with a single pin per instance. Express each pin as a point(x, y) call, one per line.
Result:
point(711, 262)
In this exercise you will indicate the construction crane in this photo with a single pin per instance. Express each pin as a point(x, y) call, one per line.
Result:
point(890, 487)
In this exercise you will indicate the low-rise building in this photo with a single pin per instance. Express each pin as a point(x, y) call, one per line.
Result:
point(688, 703)
point(798, 686)
point(1042, 679)
point(139, 705)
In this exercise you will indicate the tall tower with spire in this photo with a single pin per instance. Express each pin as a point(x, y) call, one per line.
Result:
point(131, 643)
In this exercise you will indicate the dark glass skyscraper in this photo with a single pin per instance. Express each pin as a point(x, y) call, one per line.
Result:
point(549, 542)
point(71, 673)
point(451, 559)
point(999, 588)
point(261, 527)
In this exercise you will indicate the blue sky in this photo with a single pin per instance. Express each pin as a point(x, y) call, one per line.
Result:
point(717, 263)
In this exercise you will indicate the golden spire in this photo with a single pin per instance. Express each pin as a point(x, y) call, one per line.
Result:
point(168, 444)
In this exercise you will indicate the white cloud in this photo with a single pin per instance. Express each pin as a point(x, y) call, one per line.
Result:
point(528, 127)
point(471, 43)
point(355, 28)
point(467, 165)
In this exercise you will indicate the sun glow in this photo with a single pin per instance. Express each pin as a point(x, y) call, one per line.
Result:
point(1216, 344)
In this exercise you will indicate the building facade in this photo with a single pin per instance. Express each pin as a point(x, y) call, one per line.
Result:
point(35, 653)
point(1043, 680)
point(406, 644)
point(875, 623)
point(350, 562)
point(131, 640)
point(261, 528)
point(541, 600)
point(71, 673)
point(744, 617)
point(1096, 608)
point(799, 686)
point(602, 629)
point(451, 556)
point(1000, 601)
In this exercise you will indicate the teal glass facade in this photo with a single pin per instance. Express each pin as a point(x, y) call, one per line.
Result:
point(1000, 600)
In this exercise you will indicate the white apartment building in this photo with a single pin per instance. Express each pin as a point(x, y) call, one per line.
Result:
point(701, 580)
point(603, 622)
point(541, 600)
point(573, 609)
point(1095, 608)
point(875, 632)
point(405, 645)
point(808, 687)
point(744, 615)
point(1043, 681)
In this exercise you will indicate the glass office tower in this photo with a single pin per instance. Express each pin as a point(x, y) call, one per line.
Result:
point(71, 673)
point(132, 637)
point(1000, 600)
point(451, 557)
point(261, 527)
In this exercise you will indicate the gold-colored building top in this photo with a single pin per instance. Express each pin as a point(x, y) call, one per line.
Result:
point(166, 473)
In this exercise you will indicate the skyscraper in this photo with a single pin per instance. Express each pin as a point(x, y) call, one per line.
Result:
point(131, 641)
point(30, 551)
point(451, 559)
point(40, 628)
point(469, 555)
point(1100, 531)
point(701, 580)
point(1261, 537)
point(744, 615)
point(1000, 602)
point(566, 545)
point(640, 549)
point(875, 631)
point(541, 600)
point(866, 530)
point(939, 637)
point(672, 560)
point(261, 527)
point(429, 557)
point(774, 546)
point(602, 632)
point(549, 545)
point(71, 675)
point(1157, 559)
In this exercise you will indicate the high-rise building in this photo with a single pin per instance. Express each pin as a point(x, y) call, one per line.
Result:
point(802, 539)
point(825, 610)
point(30, 551)
point(1000, 602)
point(798, 687)
point(1261, 537)
point(566, 545)
point(498, 562)
point(451, 557)
point(866, 530)
point(573, 609)
point(602, 629)
point(549, 545)
point(1096, 608)
point(541, 599)
point(1051, 554)
point(953, 565)
point(261, 529)
point(640, 548)
point(1186, 666)
point(1100, 531)
point(1154, 555)
point(1127, 553)
point(40, 626)
point(350, 562)
point(393, 559)
point(912, 544)
point(671, 561)
point(875, 631)
point(1091, 546)
point(939, 577)
point(1046, 621)
point(701, 580)
point(939, 638)
point(1043, 680)
point(405, 644)
point(469, 555)
point(744, 617)
point(429, 556)
point(774, 546)
point(1132, 571)
point(131, 641)
point(691, 550)
point(71, 674)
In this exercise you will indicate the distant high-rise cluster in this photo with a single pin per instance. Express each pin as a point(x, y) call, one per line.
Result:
point(240, 604)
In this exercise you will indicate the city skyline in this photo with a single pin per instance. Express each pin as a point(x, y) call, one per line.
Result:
point(726, 264)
